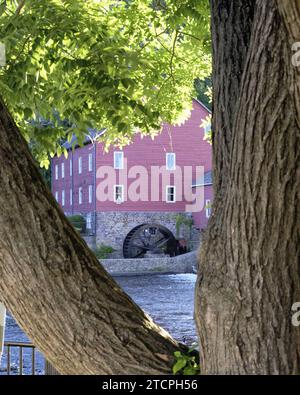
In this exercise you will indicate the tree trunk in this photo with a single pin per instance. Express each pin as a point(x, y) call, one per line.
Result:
point(54, 286)
point(249, 275)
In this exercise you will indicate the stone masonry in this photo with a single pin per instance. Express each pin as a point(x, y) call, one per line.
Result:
point(113, 227)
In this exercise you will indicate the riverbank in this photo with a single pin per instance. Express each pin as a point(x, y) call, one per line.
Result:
point(181, 264)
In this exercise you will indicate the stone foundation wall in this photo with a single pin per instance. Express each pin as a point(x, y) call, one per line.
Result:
point(186, 263)
point(113, 227)
point(90, 241)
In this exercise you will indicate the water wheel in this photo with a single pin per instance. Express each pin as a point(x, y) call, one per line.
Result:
point(152, 238)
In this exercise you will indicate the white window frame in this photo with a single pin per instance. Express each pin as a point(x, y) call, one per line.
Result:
point(89, 221)
point(208, 208)
point(167, 193)
point(91, 162)
point(63, 170)
point(63, 201)
point(90, 194)
point(120, 166)
point(56, 196)
point(207, 129)
point(118, 201)
point(71, 167)
point(173, 155)
point(56, 172)
point(71, 197)
point(80, 195)
point(80, 165)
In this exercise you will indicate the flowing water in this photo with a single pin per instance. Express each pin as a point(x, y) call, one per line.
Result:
point(169, 299)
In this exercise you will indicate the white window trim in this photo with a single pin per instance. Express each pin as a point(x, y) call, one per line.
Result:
point(115, 193)
point(207, 129)
point(56, 172)
point(80, 195)
point(63, 197)
point(63, 170)
point(56, 196)
point(167, 162)
point(71, 197)
point(90, 194)
point(115, 160)
point(91, 162)
point(89, 221)
point(208, 209)
point(167, 194)
point(80, 165)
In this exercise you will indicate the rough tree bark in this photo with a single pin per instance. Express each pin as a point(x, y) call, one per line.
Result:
point(249, 264)
point(249, 273)
point(71, 309)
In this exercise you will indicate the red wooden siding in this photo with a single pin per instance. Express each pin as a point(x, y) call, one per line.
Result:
point(186, 141)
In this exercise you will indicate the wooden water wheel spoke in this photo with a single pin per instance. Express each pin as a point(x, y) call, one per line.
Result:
point(161, 242)
point(149, 238)
point(140, 247)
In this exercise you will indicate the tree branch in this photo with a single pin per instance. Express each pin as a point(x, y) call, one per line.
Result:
point(68, 305)
point(20, 6)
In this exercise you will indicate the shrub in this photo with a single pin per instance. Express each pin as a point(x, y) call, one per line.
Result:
point(79, 222)
point(102, 251)
point(186, 364)
point(182, 220)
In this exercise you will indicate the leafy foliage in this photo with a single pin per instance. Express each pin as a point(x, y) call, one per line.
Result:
point(114, 64)
point(79, 222)
point(102, 251)
point(182, 220)
point(186, 364)
point(204, 91)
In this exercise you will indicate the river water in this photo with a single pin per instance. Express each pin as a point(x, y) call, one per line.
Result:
point(169, 299)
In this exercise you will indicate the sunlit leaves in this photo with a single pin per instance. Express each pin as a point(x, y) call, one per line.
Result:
point(120, 65)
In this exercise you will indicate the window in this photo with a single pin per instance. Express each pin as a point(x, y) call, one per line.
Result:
point(80, 165)
point(207, 130)
point(89, 221)
point(62, 170)
point(90, 193)
point(119, 160)
point(56, 196)
point(71, 167)
point(90, 162)
point(208, 208)
point(80, 195)
point(71, 197)
point(119, 194)
point(56, 172)
point(171, 194)
point(62, 198)
point(171, 161)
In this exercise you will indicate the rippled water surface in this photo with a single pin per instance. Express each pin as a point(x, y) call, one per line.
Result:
point(168, 299)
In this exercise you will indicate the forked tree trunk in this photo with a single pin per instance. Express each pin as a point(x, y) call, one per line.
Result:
point(68, 305)
point(249, 264)
point(249, 274)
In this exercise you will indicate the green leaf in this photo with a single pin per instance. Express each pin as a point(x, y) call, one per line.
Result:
point(179, 365)
point(113, 67)
point(177, 354)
